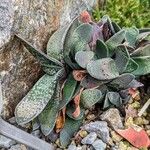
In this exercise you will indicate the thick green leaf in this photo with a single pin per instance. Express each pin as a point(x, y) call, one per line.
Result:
point(56, 42)
point(131, 36)
point(115, 40)
point(84, 57)
point(90, 82)
point(36, 99)
point(103, 69)
point(48, 117)
point(142, 51)
point(131, 66)
point(116, 27)
point(101, 49)
point(68, 43)
point(81, 37)
point(71, 126)
point(122, 81)
point(42, 57)
point(106, 102)
point(70, 110)
point(134, 84)
point(144, 30)
point(144, 65)
point(114, 98)
point(121, 58)
point(89, 97)
point(68, 91)
point(143, 36)
point(107, 19)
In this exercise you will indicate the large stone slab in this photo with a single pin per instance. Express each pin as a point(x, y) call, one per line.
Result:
point(35, 21)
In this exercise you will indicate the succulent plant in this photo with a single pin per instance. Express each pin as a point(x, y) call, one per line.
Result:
point(86, 63)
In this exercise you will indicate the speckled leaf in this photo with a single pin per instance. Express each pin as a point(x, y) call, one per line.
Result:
point(122, 81)
point(106, 102)
point(89, 97)
point(115, 40)
point(116, 27)
point(81, 37)
point(114, 98)
point(131, 66)
point(90, 82)
point(134, 84)
point(56, 42)
point(144, 65)
point(101, 49)
point(70, 110)
point(48, 117)
point(39, 55)
point(68, 91)
point(71, 126)
point(36, 99)
point(121, 58)
point(68, 44)
point(131, 36)
point(103, 69)
point(142, 51)
point(84, 57)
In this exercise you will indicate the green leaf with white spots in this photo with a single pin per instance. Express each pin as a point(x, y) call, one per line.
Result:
point(131, 66)
point(101, 49)
point(84, 57)
point(115, 40)
point(141, 51)
point(68, 91)
point(48, 117)
point(56, 42)
point(70, 128)
point(144, 65)
point(81, 37)
point(36, 99)
point(122, 81)
point(131, 36)
point(121, 58)
point(68, 43)
point(116, 27)
point(114, 98)
point(89, 97)
point(103, 69)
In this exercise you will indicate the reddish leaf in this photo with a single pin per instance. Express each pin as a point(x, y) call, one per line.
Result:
point(79, 74)
point(133, 92)
point(137, 138)
point(85, 17)
point(76, 113)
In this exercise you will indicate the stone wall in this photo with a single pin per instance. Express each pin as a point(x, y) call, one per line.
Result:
point(35, 21)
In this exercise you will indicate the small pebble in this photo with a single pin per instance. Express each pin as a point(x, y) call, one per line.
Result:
point(100, 127)
point(18, 147)
point(91, 117)
point(112, 116)
point(116, 137)
point(6, 142)
point(72, 147)
point(83, 133)
point(99, 145)
point(90, 138)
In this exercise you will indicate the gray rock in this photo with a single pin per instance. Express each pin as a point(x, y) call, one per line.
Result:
point(72, 147)
point(18, 147)
point(112, 116)
point(6, 142)
point(35, 21)
point(99, 145)
point(90, 138)
point(100, 127)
